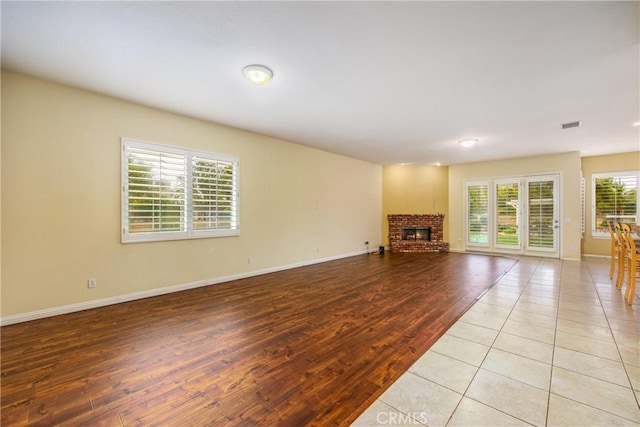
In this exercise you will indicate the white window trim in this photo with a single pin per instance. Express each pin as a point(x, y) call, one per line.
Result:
point(524, 247)
point(188, 233)
point(605, 235)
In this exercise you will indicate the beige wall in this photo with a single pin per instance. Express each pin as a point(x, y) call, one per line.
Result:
point(600, 164)
point(567, 165)
point(60, 180)
point(61, 200)
point(414, 189)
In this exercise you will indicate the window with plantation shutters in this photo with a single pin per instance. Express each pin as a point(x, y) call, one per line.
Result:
point(214, 204)
point(171, 193)
point(478, 213)
point(614, 197)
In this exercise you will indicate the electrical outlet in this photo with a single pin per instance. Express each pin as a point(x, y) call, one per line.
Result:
point(250, 260)
point(91, 283)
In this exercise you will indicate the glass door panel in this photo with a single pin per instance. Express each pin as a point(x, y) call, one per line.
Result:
point(508, 207)
point(478, 214)
point(542, 214)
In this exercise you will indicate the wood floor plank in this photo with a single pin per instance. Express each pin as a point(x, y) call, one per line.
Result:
point(309, 346)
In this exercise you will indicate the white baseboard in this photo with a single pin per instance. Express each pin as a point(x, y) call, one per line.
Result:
point(70, 308)
point(596, 256)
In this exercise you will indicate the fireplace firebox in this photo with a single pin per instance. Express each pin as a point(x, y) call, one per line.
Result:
point(416, 234)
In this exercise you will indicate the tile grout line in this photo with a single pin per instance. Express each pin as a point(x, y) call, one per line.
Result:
point(553, 350)
point(464, 394)
point(592, 283)
point(444, 355)
point(572, 280)
point(615, 341)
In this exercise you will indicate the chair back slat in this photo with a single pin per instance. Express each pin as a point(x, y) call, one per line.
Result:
point(632, 265)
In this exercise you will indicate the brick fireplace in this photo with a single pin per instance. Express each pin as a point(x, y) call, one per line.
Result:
point(417, 233)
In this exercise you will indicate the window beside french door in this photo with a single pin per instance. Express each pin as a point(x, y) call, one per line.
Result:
point(513, 215)
point(478, 214)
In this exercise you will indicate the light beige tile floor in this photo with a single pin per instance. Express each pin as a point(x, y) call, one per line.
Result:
point(552, 343)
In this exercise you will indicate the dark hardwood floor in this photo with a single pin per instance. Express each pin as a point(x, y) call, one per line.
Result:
point(309, 346)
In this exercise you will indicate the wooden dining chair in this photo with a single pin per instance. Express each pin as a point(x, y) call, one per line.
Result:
point(622, 261)
point(632, 261)
point(615, 250)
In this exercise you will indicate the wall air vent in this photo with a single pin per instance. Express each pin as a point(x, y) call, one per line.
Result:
point(572, 125)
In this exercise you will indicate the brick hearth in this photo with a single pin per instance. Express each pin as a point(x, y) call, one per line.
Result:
point(435, 222)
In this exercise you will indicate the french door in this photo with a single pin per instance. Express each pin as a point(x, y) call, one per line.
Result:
point(542, 215)
point(513, 215)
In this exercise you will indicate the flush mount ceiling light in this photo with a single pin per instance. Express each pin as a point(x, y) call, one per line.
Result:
point(257, 74)
point(467, 143)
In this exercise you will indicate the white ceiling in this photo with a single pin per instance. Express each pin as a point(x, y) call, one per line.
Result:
point(385, 82)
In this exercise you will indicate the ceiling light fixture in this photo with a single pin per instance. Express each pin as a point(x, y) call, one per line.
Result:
point(636, 124)
point(257, 74)
point(467, 143)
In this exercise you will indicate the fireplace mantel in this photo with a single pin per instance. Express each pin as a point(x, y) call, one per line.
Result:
point(434, 222)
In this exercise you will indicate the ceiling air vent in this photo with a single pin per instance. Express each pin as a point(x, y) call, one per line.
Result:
point(572, 125)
